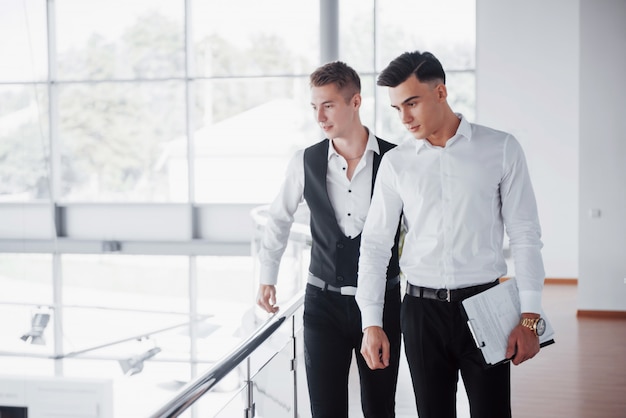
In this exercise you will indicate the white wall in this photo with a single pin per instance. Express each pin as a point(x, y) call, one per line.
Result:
point(602, 243)
point(527, 84)
point(554, 74)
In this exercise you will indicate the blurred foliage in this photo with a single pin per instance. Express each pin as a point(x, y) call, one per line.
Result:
point(121, 101)
point(24, 144)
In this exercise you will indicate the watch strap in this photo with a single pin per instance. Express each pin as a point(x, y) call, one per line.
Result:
point(530, 323)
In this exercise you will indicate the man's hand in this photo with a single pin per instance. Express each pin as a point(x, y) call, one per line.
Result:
point(266, 298)
point(375, 348)
point(523, 343)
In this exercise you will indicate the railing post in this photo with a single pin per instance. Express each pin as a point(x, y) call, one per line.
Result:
point(294, 366)
point(249, 411)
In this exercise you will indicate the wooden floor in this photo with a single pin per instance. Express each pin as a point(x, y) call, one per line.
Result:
point(582, 375)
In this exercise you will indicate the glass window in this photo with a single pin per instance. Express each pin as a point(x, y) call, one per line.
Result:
point(26, 278)
point(126, 281)
point(116, 138)
point(447, 28)
point(24, 143)
point(120, 39)
point(248, 130)
point(26, 315)
point(121, 305)
point(224, 280)
point(226, 294)
point(242, 37)
point(368, 104)
point(23, 41)
point(462, 92)
point(356, 34)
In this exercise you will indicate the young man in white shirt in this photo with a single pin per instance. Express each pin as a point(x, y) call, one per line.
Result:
point(458, 185)
point(335, 177)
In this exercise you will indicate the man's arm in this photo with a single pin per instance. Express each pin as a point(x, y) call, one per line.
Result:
point(519, 212)
point(277, 229)
point(377, 240)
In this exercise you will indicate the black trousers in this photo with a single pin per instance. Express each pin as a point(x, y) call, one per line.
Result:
point(438, 344)
point(332, 332)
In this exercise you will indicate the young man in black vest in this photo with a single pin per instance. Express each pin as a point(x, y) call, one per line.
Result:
point(335, 177)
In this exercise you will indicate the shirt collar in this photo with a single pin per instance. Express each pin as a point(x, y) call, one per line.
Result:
point(372, 145)
point(465, 128)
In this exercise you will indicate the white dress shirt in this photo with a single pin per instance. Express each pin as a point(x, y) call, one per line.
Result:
point(456, 201)
point(350, 200)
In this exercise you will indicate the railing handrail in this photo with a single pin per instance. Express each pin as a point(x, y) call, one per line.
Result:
point(195, 389)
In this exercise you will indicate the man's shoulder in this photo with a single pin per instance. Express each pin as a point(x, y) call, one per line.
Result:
point(483, 132)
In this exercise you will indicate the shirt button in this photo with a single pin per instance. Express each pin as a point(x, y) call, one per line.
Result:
point(349, 191)
point(348, 214)
point(344, 168)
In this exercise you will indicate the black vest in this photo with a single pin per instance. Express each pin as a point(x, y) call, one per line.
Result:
point(335, 257)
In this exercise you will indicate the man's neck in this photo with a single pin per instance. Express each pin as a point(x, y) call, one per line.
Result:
point(352, 145)
point(448, 130)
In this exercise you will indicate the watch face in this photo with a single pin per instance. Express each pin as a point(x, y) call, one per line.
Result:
point(541, 327)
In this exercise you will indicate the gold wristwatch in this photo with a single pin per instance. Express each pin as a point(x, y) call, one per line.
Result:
point(536, 325)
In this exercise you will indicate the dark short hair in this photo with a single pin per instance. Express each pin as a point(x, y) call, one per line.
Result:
point(424, 65)
point(339, 73)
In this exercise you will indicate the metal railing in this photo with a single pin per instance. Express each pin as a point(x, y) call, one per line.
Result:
point(194, 390)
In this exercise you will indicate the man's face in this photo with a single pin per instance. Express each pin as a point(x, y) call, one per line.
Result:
point(419, 105)
point(331, 111)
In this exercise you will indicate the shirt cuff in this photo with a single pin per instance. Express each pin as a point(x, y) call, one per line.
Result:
point(372, 316)
point(530, 301)
point(268, 275)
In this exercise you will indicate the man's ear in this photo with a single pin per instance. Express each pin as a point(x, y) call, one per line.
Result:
point(442, 91)
point(356, 100)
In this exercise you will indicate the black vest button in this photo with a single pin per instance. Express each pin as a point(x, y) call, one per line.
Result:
point(340, 278)
point(340, 245)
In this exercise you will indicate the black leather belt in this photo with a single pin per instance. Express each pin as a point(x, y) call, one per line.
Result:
point(344, 290)
point(447, 295)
